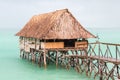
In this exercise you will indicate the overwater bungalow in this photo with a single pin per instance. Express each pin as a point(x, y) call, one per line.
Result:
point(53, 30)
point(50, 36)
point(58, 29)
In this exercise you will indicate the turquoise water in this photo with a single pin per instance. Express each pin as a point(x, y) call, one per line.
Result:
point(14, 68)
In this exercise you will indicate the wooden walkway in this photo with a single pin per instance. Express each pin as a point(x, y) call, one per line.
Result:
point(93, 59)
point(75, 56)
point(106, 59)
point(62, 49)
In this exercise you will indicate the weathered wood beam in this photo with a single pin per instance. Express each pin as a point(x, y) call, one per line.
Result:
point(44, 55)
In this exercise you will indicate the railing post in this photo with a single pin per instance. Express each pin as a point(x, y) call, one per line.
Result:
point(107, 51)
point(99, 50)
point(116, 52)
point(99, 67)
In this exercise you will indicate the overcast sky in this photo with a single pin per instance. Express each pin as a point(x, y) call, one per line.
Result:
point(90, 13)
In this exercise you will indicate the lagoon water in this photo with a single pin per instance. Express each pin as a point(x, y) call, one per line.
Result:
point(14, 68)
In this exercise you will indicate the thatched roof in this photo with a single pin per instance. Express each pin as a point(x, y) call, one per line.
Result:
point(59, 24)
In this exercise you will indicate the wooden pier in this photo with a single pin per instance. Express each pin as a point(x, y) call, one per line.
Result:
point(91, 61)
point(107, 57)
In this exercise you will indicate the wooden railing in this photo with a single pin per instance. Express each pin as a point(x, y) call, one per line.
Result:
point(107, 50)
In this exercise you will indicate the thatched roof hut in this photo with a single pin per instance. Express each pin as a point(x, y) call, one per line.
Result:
point(59, 24)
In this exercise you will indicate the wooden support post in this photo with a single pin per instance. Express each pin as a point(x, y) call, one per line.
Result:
point(77, 59)
point(86, 54)
point(99, 50)
point(118, 72)
point(28, 56)
point(48, 57)
point(111, 72)
point(91, 66)
point(20, 53)
point(88, 65)
point(35, 43)
point(107, 51)
point(116, 53)
point(23, 55)
point(33, 56)
point(56, 59)
point(98, 67)
point(39, 59)
point(44, 54)
point(101, 73)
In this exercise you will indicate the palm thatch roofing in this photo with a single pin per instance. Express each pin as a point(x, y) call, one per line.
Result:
point(59, 24)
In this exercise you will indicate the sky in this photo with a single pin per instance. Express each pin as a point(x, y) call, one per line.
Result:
point(14, 14)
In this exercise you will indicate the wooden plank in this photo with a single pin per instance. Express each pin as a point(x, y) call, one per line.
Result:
point(21, 46)
point(49, 45)
point(44, 55)
point(56, 59)
point(106, 59)
point(82, 44)
point(63, 49)
point(76, 56)
point(27, 48)
point(112, 44)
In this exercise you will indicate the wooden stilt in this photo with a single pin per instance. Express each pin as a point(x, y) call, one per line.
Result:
point(118, 72)
point(101, 74)
point(35, 54)
point(23, 55)
point(44, 55)
point(28, 55)
point(34, 57)
point(37, 57)
point(48, 58)
point(111, 72)
point(56, 59)
point(40, 60)
point(20, 53)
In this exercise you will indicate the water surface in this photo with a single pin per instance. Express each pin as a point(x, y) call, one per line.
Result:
point(14, 68)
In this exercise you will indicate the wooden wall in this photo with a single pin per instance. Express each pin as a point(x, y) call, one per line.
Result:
point(82, 44)
point(27, 43)
point(52, 44)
